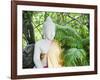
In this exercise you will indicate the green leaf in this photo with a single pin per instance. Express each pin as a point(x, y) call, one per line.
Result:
point(75, 57)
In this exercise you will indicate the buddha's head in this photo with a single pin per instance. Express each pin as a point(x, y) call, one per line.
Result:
point(49, 29)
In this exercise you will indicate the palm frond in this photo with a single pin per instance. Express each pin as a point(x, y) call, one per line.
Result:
point(68, 36)
point(75, 57)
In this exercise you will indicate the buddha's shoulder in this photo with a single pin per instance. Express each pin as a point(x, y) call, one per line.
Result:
point(39, 42)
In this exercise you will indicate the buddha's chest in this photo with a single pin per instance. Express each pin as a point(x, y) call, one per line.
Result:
point(45, 47)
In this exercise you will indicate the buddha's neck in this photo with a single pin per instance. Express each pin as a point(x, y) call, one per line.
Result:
point(48, 40)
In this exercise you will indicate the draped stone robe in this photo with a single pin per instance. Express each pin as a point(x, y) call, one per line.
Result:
point(49, 56)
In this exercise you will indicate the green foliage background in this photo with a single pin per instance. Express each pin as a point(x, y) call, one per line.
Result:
point(72, 33)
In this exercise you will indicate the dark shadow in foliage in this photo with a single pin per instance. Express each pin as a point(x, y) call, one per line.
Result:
point(28, 56)
point(28, 31)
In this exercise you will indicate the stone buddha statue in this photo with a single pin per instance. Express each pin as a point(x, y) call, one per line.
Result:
point(47, 51)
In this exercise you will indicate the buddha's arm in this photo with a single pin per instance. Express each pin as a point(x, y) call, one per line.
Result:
point(36, 58)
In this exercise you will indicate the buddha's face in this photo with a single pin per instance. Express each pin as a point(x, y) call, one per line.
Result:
point(50, 34)
point(49, 29)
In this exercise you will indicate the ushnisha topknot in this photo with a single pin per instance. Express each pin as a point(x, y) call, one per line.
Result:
point(48, 25)
point(49, 22)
